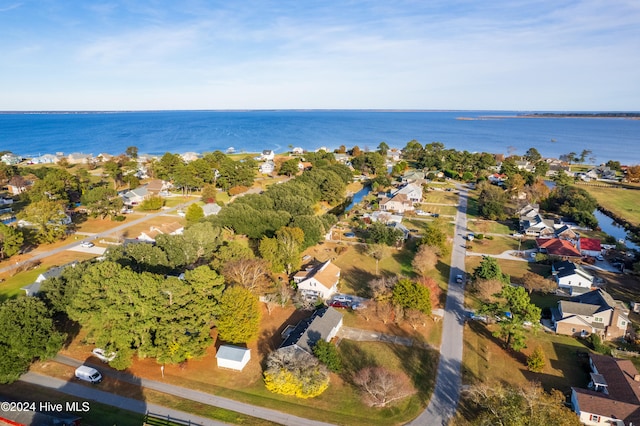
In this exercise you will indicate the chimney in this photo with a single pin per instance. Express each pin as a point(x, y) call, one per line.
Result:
point(636, 377)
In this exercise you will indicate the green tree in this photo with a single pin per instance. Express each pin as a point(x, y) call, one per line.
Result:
point(489, 269)
point(312, 227)
point(377, 251)
point(290, 243)
point(411, 295)
point(209, 193)
point(205, 239)
point(383, 148)
point(27, 334)
point(11, 240)
point(268, 249)
point(328, 354)
point(152, 203)
point(491, 201)
point(435, 236)
point(132, 152)
point(238, 319)
point(289, 167)
point(532, 155)
point(194, 213)
point(47, 218)
point(231, 251)
point(102, 201)
point(114, 170)
point(296, 373)
point(536, 361)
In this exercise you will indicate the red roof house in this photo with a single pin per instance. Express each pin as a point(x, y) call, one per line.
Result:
point(590, 247)
point(557, 247)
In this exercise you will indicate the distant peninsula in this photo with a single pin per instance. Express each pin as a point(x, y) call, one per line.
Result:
point(634, 115)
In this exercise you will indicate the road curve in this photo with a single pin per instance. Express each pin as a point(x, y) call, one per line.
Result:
point(446, 395)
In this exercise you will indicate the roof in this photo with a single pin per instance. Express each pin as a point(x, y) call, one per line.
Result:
point(598, 403)
point(398, 198)
point(558, 247)
point(576, 308)
point(232, 353)
point(566, 269)
point(155, 185)
point(326, 274)
point(309, 331)
point(590, 244)
point(211, 209)
point(619, 374)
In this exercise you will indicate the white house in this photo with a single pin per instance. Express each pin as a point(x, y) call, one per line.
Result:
point(398, 203)
point(233, 357)
point(267, 167)
point(45, 159)
point(189, 156)
point(173, 228)
point(412, 191)
point(297, 150)
point(10, 159)
point(79, 158)
point(268, 155)
point(572, 277)
point(321, 281)
point(135, 196)
point(34, 288)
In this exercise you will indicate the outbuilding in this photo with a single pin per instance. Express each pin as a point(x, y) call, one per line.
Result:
point(233, 357)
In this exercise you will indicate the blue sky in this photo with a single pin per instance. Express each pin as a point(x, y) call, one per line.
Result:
point(401, 54)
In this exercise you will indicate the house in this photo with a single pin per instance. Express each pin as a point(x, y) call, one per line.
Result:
point(135, 196)
point(399, 203)
point(304, 165)
point(613, 397)
point(412, 191)
point(557, 247)
point(394, 154)
point(537, 226)
point(590, 247)
point(158, 187)
point(45, 159)
point(297, 150)
point(173, 228)
point(400, 227)
point(267, 167)
point(592, 312)
point(342, 158)
point(232, 357)
point(525, 165)
point(323, 324)
point(528, 210)
point(79, 158)
point(497, 178)
point(188, 157)
point(566, 233)
point(571, 277)
point(211, 209)
point(54, 272)
point(10, 159)
point(412, 176)
point(267, 155)
point(382, 216)
point(321, 281)
point(18, 184)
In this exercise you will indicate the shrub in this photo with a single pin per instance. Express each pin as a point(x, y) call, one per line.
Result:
point(237, 190)
point(328, 355)
point(118, 218)
point(294, 372)
point(152, 203)
point(536, 361)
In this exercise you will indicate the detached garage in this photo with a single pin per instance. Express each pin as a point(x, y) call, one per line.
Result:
point(233, 357)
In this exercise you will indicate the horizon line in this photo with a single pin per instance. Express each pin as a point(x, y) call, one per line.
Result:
point(110, 111)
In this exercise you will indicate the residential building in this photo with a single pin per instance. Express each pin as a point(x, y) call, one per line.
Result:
point(188, 157)
point(572, 277)
point(382, 216)
point(566, 233)
point(613, 397)
point(399, 203)
point(412, 176)
point(321, 281)
point(10, 159)
point(497, 178)
point(593, 312)
point(79, 158)
point(342, 158)
point(537, 226)
point(297, 150)
point(54, 272)
point(590, 247)
point(267, 167)
point(323, 324)
point(45, 159)
point(267, 155)
point(232, 357)
point(135, 196)
point(558, 247)
point(173, 228)
point(412, 191)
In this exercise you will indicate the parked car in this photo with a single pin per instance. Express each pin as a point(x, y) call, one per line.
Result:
point(343, 298)
point(459, 278)
point(349, 235)
point(600, 257)
point(88, 374)
point(87, 244)
point(338, 304)
point(517, 235)
point(104, 356)
point(357, 306)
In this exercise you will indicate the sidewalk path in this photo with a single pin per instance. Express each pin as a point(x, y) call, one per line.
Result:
point(198, 396)
point(507, 255)
point(130, 404)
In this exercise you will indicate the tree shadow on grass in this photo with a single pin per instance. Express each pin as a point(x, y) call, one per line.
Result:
point(354, 359)
point(420, 365)
point(358, 279)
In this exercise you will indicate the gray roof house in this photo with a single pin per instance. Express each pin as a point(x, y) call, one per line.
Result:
point(323, 324)
point(34, 288)
point(211, 209)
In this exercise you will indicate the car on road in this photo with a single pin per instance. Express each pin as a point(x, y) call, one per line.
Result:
point(104, 356)
point(459, 278)
point(338, 304)
point(87, 244)
point(517, 235)
point(88, 374)
point(599, 257)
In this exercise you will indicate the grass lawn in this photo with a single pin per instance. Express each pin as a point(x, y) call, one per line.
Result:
point(498, 245)
point(622, 202)
point(485, 359)
point(472, 207)
point(440, 197)
point(515, 268)
point(99, 414)
point(490, 227)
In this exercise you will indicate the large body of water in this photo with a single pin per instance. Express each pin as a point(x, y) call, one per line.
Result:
point(157, 132)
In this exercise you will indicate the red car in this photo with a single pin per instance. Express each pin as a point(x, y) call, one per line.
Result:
point(338, 304)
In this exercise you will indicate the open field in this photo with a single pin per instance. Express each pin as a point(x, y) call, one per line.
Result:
point(499, 245)
point(440, 197)
point(490, 227)
point(624, 203)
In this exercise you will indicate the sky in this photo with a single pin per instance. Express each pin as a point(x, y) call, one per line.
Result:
point(556, 55)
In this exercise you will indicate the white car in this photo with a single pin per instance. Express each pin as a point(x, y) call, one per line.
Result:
point(104, 356)
point(343, 298)
point(459, 279)
point(599, 257)
point(87, 244)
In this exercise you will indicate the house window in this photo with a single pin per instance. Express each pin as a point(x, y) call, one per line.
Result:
point(598, 319)
point(623, 323)
point(573, 330)
point(595, 418)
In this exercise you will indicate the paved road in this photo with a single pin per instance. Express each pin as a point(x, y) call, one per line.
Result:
point(194, 395)
point(446, 395)
point(134, 405)
point(76, 243)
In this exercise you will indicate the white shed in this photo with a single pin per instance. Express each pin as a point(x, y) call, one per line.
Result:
point(233, 357)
